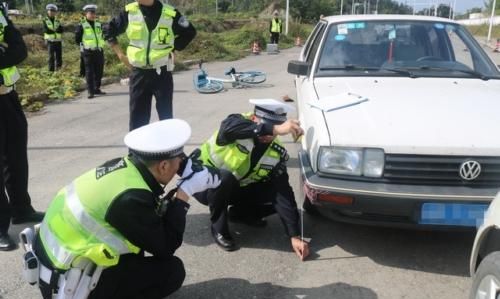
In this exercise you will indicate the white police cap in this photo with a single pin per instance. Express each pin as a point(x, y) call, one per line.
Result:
point(271, 110)
point(90, 7)
point(51, 6)
point(161, 140)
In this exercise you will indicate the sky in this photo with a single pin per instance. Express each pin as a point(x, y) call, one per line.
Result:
point(462, 5)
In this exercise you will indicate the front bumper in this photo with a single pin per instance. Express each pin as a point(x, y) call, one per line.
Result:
point(381, 203)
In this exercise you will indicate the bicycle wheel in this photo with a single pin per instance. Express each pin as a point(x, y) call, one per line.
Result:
point(210, 87)
point(252, 77)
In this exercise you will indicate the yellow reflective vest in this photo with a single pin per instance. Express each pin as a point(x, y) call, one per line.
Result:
point(236, 158)
point(11, 74)
point(149, 49)
point(276, 25)
point(92, 38)
point(54, 26)
point(74, 225)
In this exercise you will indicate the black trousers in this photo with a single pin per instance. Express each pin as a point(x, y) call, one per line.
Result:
point(144, 84)
point(94, 68)
point(55, 55)
point(14, 197)
point(136, 277)
point(254, 201)
point(275, 37)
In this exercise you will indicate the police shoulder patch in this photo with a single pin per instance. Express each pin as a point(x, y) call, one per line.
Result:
point(109, 167)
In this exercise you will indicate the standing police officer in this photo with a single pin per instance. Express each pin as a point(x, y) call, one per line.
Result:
point(114, 213)
point(89, 36)
point(53, 30)
point(154, 31)
point(15, 202)
point(252, 164)
point(275, 28)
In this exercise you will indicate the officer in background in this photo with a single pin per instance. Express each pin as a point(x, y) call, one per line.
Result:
point(252, 164)
point(275, 28)
point(52, 33)
point(15, 202)
point(114, 213)
point(154, 31)
point(89, 36)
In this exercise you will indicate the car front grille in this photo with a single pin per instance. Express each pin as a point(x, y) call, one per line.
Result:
point(439, 170)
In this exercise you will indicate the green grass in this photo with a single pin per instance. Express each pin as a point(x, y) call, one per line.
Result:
point(482, 30)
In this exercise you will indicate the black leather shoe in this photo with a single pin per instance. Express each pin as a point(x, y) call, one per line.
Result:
point(31, 216)
point(225, 242)
point(90, 96)
point(99, 92)
point(6, 243)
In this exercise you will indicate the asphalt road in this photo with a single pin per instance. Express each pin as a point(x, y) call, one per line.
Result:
point(348, 261)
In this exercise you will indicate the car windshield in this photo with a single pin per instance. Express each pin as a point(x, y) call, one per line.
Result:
point(403, 48)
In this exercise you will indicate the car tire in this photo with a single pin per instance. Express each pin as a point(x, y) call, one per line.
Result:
point(309, 207)
point(487, 274)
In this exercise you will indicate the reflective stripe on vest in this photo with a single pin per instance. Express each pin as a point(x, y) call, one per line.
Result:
point(92, 38)
point(276, 26)
point(52, 37)
point(236, 157)
point(11, 74)
point(75, 226)
point(149, 49)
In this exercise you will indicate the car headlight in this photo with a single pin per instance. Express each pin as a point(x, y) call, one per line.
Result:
point(351, 161)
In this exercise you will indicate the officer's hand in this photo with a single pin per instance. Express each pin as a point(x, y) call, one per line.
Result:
point(291, 126)
point(300, 247)
point(124, 59)
point(196, 179)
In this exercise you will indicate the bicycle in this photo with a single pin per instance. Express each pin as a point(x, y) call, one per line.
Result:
point(205, 84)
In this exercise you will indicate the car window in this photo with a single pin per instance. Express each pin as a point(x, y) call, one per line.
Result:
point(420, 48)
point(310, 39)
point(315, 43)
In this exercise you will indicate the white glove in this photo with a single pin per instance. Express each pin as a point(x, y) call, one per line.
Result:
point(193, 182)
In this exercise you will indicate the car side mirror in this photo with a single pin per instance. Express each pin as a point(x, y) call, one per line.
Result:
point(300, 68)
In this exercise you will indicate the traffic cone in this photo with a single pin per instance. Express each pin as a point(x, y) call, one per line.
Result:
point(255, 48)
point(298, 41)
point(497, 47)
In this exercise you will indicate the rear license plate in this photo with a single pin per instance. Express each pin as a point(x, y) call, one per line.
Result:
point(454, 214)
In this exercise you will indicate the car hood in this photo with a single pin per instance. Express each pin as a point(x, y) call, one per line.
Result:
point(414, 116)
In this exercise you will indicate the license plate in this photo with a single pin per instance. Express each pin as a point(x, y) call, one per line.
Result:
point(454, 214)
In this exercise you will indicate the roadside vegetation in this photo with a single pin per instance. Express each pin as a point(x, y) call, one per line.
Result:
point(227, 38)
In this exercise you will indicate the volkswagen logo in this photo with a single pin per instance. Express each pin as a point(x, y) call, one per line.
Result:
point(470, 170)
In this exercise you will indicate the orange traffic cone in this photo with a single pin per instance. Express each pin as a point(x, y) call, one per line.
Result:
point(298, 41)
point(255, 48)
point(497, 47)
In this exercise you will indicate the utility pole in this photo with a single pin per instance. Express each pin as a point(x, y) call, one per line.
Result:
point(286, 16)
point(216, 7)
point(376, 8)
point(491, 19)
point(454, 5)
point(342, 6)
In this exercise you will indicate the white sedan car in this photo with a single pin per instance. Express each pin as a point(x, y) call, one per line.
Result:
point(402, 121)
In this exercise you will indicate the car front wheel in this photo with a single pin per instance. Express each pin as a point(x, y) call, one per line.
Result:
point(486, 284)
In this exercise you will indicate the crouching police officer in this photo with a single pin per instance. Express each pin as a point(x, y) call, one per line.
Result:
point(114, 213)
point(89, 36)
point(52, 33)
point(252, 163)
point(15, 202)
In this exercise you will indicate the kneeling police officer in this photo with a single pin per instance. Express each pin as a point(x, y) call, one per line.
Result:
point(116, 212)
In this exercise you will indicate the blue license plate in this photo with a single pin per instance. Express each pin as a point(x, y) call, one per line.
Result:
point(454, 214)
